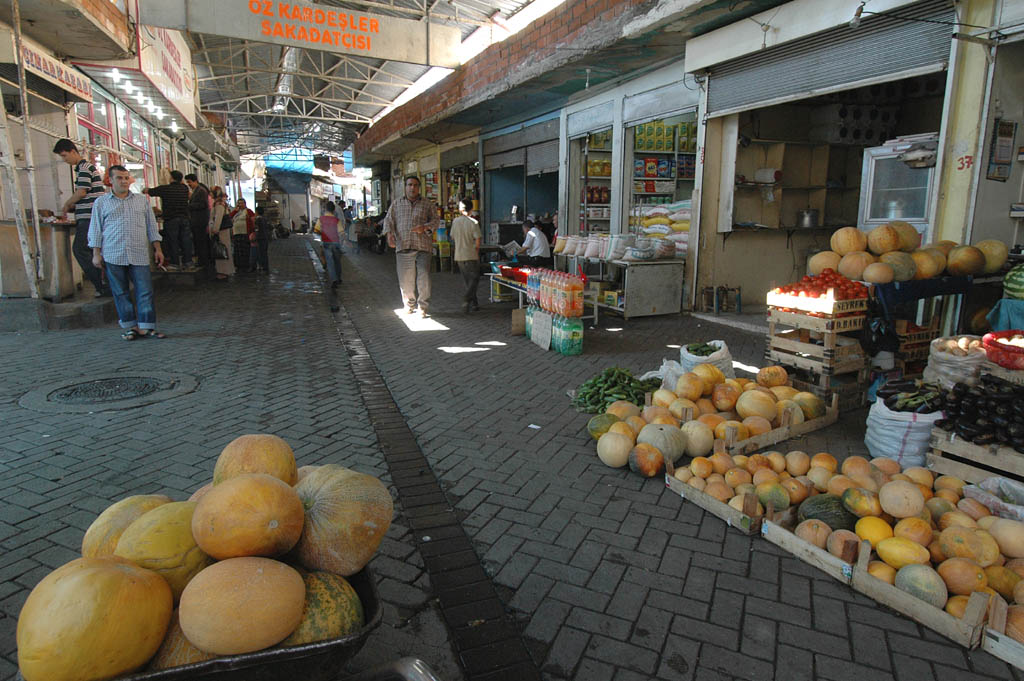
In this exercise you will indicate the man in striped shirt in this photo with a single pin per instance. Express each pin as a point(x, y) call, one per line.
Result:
point(410, 225)
point(88, 187)
point(122, 227)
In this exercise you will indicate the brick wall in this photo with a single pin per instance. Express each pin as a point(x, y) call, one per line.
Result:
point(106, 14)
point(503, 65)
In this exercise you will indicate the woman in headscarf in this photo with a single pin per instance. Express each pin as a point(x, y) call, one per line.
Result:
point(225, 267)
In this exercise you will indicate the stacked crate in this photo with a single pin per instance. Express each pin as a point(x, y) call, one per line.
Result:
point(810, 337)
point(915, 344)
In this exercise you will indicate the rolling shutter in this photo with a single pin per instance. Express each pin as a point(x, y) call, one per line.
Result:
point(506, 159)
point(542, 158)
point(881, 48)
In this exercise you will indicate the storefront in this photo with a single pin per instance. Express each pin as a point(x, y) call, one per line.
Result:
point(460, 177)
point(807, 134)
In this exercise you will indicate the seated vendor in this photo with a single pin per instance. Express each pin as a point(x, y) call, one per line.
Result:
point(535, 251)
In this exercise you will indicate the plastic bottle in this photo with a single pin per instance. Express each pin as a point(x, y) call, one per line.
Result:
point(563, 294)
point(529, 321)
point(544, 289)
point(574, 336)
point(558, 334)
point(577, 297)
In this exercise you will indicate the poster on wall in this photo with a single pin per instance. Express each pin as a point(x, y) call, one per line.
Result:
point(1000, 155)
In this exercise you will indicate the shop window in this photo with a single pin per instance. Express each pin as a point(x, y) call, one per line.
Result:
point(661, 159)
point(590, 160)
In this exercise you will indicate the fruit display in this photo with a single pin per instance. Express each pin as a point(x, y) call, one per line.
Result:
point(960, 346)
point(164, 583)
point(829, 285)
point(893, 252)
point(612, 384)
point(926, 537)
point(989, 413)
point(1013, 282)
point(1016, 340)
point(704, 407)
point(912, 396)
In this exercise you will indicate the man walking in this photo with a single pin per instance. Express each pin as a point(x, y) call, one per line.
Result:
point(199, 218)
point(467, 238)
point(330, 239)
point(120, 231)
point(410, 225)
point(177, 230)
point(88, 188)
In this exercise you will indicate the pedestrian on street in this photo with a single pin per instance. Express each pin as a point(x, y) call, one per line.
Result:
point(218, 231)
point(88, 188)
point(330, 239)
point(120, 231)
point(243, 223)
point(177, 230)
point(199, 219)
point(410, 225)
point(535, 246)
point(261, 237)
point(467, 238)
point(351, 230)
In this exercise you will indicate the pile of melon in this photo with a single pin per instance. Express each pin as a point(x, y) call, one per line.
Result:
point(893, 252)
point(927, 538)
point(741, 408)
point(255, 559)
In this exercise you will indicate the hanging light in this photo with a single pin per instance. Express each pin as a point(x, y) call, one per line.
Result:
point(115, 75)
point(174, 126)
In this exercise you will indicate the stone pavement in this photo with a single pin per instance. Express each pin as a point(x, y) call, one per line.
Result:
point(603, 575)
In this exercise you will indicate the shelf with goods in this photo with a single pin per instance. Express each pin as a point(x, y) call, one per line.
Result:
point(662, 156)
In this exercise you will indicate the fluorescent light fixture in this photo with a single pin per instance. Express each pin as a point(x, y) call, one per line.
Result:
point(174, 126)
point(115, 75)
point(127, 87)
point(139, 98)
point(133, 166)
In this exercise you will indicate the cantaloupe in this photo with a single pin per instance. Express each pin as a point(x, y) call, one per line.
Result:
point(843, 544)
point(645, 460)
point(901, 499)
point(996, 254)
point(814, 532)
point(915, 529)
point(853, 264)
point(898, 552)
point(928, 263)
point(812, 405)
point(848, 240)
point(922, 582)
point(962, 576)
point(873, 530)
point(613, 449)
point(689, 386)
point(756, 403)
point(883, 239)
point(1009, 534)
point(1003, 580)
point(700, 438)
point(878, 273)
point(910, 238)
point(104, 532)
point(798, 463)
point(965, 261)
point(903, 266)
point(819, 262)
point(961, 542)
point(257, 453)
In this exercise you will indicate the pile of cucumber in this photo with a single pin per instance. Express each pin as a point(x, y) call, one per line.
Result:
point(614, 383)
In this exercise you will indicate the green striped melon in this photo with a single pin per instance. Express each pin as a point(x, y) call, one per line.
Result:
point(332, 609)
point(1013, 283)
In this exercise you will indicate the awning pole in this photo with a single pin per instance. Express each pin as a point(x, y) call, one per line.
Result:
point(29, 158)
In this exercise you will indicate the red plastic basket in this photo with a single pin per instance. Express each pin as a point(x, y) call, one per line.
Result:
point(1006, 356)
point(521, 275)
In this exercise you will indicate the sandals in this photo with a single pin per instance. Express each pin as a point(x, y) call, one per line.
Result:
point(152, 333)
point(131, 334)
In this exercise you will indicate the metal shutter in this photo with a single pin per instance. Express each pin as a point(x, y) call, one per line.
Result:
point(590, 120)
point(882, 48)
point(542, 158)
point(516, 157)
point(459, 156)
point(428, 163)
point(661, 102)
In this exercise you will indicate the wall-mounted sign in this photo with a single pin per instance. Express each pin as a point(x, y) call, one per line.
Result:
point(317, 27)
point(39, 63)
point(1000, 151)
point(166, 61)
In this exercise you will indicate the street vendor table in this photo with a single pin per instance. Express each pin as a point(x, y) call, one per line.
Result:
point(951, 289)
point(505, 282)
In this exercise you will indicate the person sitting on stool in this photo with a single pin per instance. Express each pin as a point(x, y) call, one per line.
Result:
point(535, 247)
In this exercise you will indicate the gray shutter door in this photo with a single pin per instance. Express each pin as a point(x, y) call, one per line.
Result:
point(542, 158)
point(459, 156)
point(661, 102)
point(516, 157)
point(882, 48)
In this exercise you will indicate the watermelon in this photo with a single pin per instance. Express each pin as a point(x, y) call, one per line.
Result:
point(1013, 283)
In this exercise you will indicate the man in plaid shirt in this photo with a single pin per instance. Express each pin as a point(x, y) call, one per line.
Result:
point(410, 225)
point(121, 229)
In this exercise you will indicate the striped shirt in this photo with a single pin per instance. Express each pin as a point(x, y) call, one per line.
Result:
point(89, 179)
point(403, 215)
point(173, 199)
point(123, 228)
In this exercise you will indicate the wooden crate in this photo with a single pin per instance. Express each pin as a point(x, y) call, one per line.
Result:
point(907, 337)
point(995, 640)
point(823, 366)
point(952, 455)
point(784, 432)
point(1011, 375)
point(816, 305)
point(812, 323)
point(828, 348)
point(809, 553)
point(913, 352)
point(852, 393)
point(746, 521)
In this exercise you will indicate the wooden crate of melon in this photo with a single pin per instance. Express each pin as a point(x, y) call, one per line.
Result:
point(705, 406)
point(261, 569)
point(924, 549)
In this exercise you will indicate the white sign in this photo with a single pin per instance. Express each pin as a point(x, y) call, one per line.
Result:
point(540, 329)
point(317, 27)
point(166, 61)
point(40, 63)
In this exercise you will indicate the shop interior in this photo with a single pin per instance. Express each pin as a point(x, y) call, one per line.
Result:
point(513, 194)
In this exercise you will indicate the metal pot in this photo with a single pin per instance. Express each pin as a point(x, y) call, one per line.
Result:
point(807, 219)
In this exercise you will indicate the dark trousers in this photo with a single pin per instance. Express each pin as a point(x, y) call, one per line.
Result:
point(241, 248)
point(201, 237)
point(83, 254)
point(178, 241)
point(470, 271)
point(262, 249)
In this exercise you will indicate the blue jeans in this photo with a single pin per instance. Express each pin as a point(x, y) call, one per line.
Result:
point(332, 254)
point(118, 276)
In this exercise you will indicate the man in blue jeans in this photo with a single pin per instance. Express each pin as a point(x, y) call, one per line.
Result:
point(88, 188)
point(121, 229)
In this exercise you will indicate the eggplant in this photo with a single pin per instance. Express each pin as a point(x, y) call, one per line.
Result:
point(885, 392)
point(977, 393)
point(1003, 410)
point(1016, 431)
point(967, 430)
point(1000, 422)
point(1002, 437)
point(983, 424)
point(944, 424)
point(984, 439)
point(891, 401)
point(961, 388)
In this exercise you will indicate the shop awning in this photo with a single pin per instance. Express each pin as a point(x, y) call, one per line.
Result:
point(43, 71)
point(158, 83)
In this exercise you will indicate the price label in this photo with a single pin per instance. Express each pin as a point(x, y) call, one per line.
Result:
point(540, 333)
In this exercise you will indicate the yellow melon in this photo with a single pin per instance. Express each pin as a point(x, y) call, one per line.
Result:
point(910, 238)
point(965, 261)
point(928, 263)
point(104, 532)
point(878, 273)
point(848, 240)
point(819, 262)
point(902, 264)
point(996, 254)
point(853, 264)
point(883, 239)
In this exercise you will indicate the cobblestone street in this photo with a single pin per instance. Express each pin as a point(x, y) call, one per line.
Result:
point(595, 573)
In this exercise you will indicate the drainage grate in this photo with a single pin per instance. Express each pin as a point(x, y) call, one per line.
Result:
point(107, 390)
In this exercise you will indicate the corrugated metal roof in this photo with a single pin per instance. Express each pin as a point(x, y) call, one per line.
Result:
point(276, 96)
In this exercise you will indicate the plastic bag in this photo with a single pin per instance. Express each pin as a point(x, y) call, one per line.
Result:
point(593, 247)
point(664, 249)
point(721, 358)
point(946, 369)
point(1002, 496)
point(617, 245)
point(901, 436)
point(669, 373)
point(638, 254)
point(559, 244)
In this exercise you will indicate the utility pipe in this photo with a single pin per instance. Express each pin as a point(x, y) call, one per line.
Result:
point(29, 158)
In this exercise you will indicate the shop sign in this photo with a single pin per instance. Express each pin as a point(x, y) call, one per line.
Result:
point(39, 63)
point(320, 190)
point(317, 27)
point(166, 61)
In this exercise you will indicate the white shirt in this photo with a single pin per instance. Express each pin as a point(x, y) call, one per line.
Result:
point(536, 244)
point(123, 228)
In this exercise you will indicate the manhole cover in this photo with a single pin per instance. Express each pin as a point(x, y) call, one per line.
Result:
point(107, 392)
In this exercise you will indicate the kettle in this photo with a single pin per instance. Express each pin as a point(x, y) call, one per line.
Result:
point(807, 219)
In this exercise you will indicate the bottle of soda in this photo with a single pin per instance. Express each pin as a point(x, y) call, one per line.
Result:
point(529, 321)
point(576, 288)
point(574, 336)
